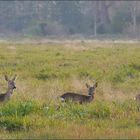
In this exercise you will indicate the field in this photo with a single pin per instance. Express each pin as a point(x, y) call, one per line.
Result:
point(47, 70)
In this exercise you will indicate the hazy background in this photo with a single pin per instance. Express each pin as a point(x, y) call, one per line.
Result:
point(96, 19)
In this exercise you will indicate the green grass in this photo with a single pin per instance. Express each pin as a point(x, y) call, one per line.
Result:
point(45, 71)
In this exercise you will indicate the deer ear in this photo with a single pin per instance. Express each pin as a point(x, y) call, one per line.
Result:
point(87, 85)
point(6, 78)
point(14, 78)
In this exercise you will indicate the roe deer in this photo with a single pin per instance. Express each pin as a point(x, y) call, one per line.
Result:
point(137, 98)
point(80, 98)
point(11, 85)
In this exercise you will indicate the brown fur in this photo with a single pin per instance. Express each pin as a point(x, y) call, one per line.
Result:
point(11, 86)
point(80, 98)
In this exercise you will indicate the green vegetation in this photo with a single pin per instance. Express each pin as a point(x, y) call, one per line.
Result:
point(45, 71)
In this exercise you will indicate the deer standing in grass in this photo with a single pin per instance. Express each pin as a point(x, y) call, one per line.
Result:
point(80, 98)
point(11, 86)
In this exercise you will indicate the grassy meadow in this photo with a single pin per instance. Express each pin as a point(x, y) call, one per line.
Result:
point(47, 70)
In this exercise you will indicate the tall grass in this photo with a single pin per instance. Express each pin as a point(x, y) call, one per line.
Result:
point(45, 71)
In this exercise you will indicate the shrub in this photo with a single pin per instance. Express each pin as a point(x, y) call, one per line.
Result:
point(26, 108)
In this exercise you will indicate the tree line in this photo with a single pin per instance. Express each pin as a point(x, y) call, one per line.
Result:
point(44, 18)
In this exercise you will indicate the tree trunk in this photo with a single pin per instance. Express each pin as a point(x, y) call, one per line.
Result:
point(95, 18)
point(134, 19)
point(104, 15)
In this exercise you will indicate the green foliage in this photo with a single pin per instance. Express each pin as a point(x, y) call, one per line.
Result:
point(126, 72)
point(80, 112)
point(11, 124)
point(46, 74)
point(100, 110)
point(18, 109)
point(128, 106)
point(26, 108)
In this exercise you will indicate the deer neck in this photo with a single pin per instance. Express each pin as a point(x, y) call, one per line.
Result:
point(91, 97)
point(9, 92)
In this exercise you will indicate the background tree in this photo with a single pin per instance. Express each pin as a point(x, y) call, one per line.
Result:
point(86, 18)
